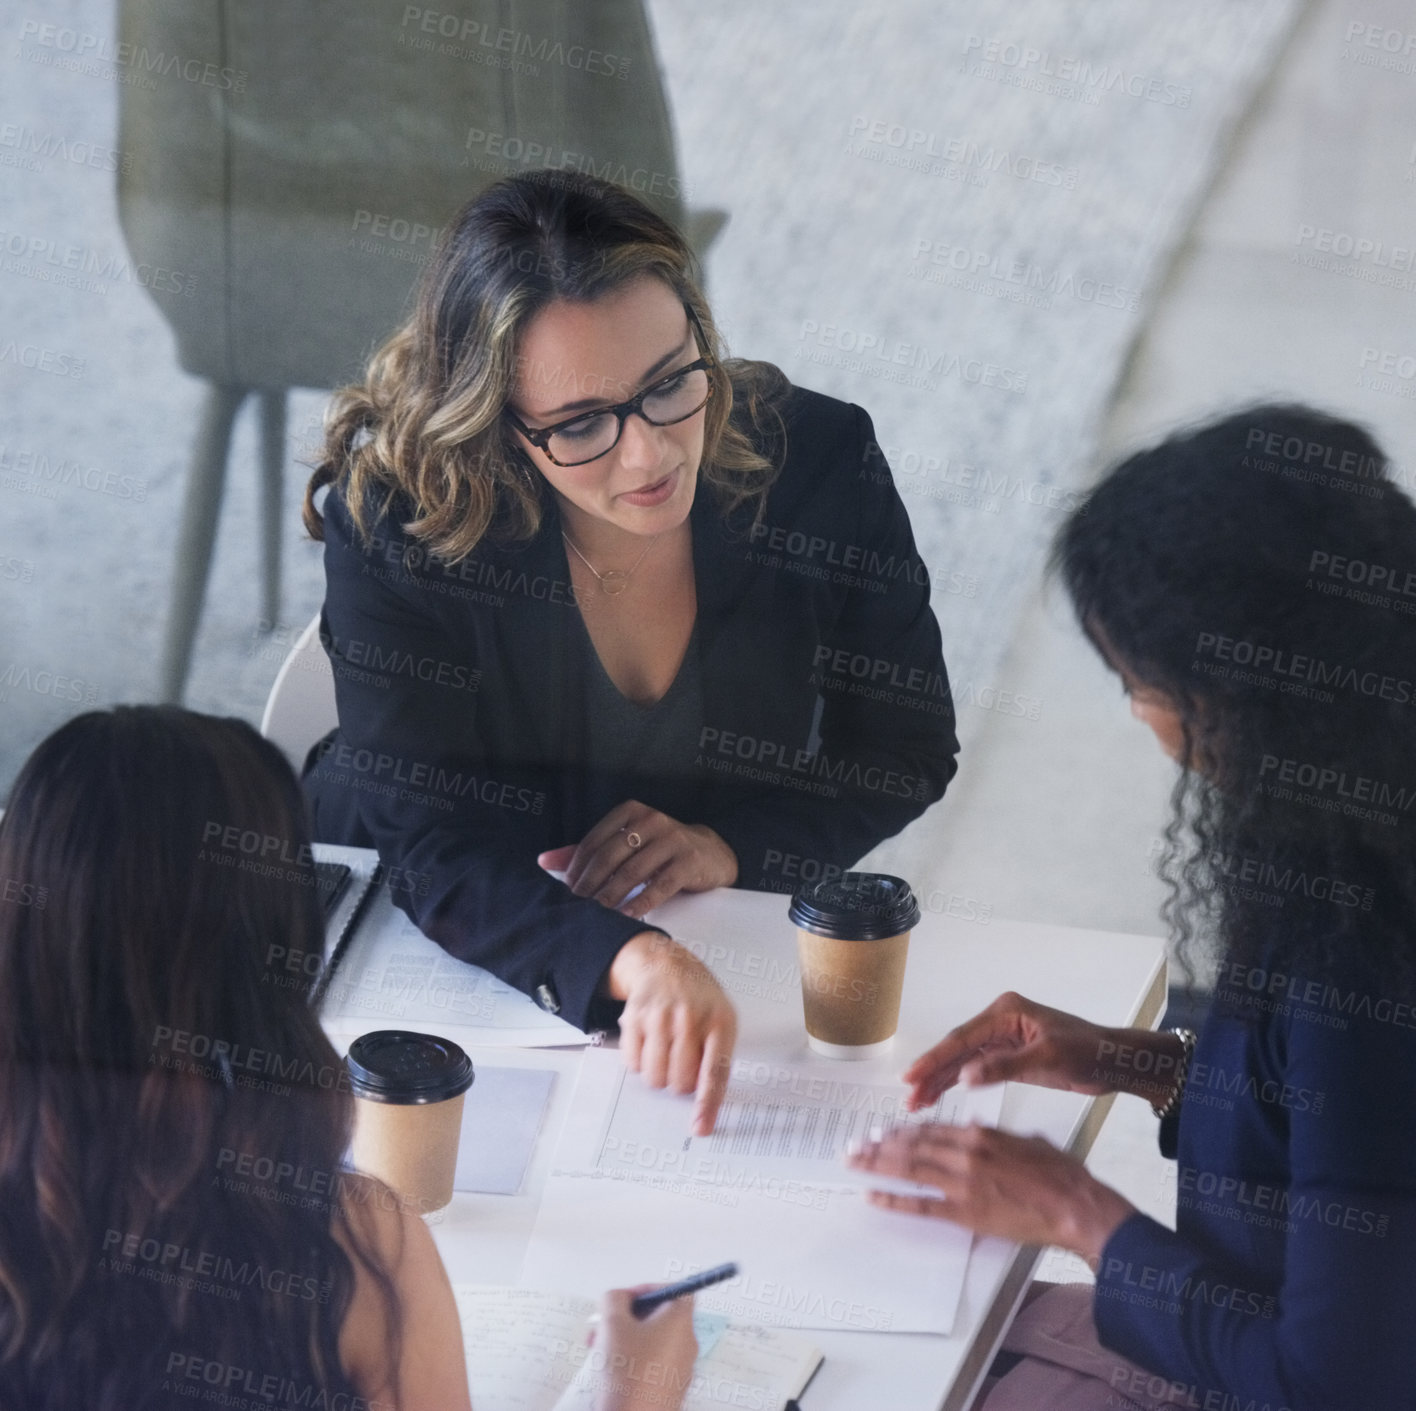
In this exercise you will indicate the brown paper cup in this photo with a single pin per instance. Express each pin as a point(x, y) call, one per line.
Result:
point(851, 992)
point(409, 1092)
point(412, 1149)
point(853, 941)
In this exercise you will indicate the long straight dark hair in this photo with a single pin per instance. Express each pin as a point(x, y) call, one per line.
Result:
point(162, 1081)
point(1259, 572)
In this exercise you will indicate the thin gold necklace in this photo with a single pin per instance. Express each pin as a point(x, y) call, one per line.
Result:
point(613, 581)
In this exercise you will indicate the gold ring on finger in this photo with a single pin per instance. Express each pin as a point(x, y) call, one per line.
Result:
point(634, 840)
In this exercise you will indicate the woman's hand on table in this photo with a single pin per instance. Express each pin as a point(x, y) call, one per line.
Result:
point(678, 1027)
point(1015, 1040)
point(996, 1183)
point(635, 845)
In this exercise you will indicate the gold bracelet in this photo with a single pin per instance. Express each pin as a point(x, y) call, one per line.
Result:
point(1187, 1040)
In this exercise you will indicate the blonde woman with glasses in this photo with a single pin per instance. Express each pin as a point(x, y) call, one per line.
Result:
point(603, 606)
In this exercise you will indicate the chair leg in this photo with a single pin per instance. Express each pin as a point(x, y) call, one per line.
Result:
point(200, 509)
point(272, 404)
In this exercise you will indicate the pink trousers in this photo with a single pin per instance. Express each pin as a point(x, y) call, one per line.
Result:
point(1065, 1367)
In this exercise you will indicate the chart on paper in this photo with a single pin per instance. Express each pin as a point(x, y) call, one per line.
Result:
point(775, 1119)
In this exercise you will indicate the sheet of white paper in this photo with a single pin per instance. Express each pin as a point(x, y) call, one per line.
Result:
point(393, 976)
point(501, 1119)
point(632, 1197)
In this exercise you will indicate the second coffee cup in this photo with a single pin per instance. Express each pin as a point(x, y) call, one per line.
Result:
point(853, 939)
point(409, 1090)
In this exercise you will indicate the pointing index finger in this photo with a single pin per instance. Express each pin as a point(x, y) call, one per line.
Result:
point(712, 1080)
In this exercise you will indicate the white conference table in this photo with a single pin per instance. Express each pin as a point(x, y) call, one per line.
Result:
point(956, 967)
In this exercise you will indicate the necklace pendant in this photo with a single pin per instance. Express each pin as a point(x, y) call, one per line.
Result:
point(614, 582)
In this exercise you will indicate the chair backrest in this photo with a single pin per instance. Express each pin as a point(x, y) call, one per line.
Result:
point(300, 708)
point(293, 164)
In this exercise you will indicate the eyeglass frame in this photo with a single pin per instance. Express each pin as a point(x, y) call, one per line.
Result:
point(539, 436)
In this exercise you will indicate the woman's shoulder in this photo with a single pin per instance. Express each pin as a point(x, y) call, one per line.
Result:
point(818, 418)
point(829, 446)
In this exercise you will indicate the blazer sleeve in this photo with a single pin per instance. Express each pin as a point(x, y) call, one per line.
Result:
point(458, 831)
point(886, 747)
point(1331, 1331)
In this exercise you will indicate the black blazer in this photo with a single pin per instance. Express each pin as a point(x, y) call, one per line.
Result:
point(827, 720)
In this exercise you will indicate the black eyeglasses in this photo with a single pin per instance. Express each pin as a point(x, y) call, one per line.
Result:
point(585, 438)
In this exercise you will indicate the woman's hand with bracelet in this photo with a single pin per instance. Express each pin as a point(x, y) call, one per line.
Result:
point(1016, 1040)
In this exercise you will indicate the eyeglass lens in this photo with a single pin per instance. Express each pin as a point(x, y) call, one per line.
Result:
point(593, 435)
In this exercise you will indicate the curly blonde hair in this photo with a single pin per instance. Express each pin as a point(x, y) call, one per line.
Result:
point(427, 423)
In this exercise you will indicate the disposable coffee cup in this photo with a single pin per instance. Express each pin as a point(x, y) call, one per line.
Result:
point(408, 1098)
point(853, 938)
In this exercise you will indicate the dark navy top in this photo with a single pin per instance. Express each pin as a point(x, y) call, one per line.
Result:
point(1290, 1280)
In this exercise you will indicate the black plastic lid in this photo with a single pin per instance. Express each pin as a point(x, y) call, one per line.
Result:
point(856, 906)
point(392, 1065)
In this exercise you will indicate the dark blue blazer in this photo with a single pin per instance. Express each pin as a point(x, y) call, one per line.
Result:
point(1290, 1279)
point(461, 749)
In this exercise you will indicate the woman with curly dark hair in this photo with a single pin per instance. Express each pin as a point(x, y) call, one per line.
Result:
point(602, 602)
point(175, 1221)
point(1253, 583)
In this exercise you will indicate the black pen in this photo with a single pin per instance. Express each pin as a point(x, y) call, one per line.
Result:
point(643, 1304)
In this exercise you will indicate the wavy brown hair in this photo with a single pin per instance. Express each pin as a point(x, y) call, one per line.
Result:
point(427, 421)
point(155, 868)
